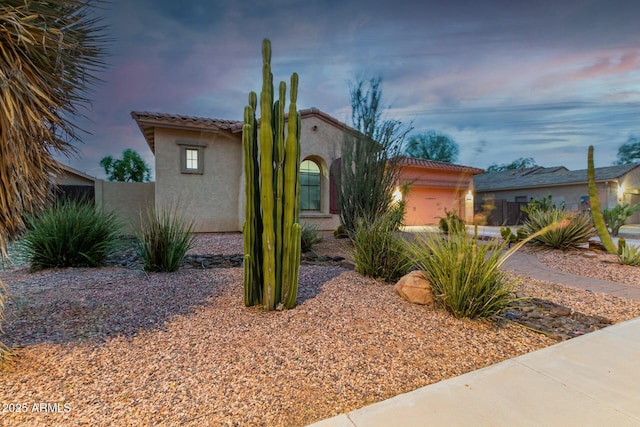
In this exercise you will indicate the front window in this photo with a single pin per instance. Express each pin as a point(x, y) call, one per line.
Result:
point(309, 186)
point(191, 157)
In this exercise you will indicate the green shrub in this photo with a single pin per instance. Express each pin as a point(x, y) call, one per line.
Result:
point(163, 240)
point(616, 217)
point(378, 251)
point(544, 204)
point(70, 234)
point(576, 228)
point(464, 273)
point(340, 232)
point(509, 237)
point(309, 236)
point(452, 223)
point(628, 255)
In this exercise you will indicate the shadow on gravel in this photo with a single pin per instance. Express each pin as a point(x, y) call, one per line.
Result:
point(312, 278)
point(92, 305)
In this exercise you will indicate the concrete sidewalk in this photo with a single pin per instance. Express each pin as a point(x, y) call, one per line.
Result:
point(529, 265)
point(592, 380)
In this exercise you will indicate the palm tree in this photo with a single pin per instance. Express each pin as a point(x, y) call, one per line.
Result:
point(49, 52)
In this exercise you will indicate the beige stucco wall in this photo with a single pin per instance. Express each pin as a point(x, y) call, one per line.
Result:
point(130, 200)
point(631, 185)
point(211, 198)
point(322, 143)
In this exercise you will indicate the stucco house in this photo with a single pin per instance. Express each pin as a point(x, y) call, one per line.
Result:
point(616, 184)
point(74, 184)
point(435, 187)
point(198, 168)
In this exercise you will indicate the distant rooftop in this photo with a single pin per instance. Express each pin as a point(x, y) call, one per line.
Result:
point(539, 176)
point(432, 164)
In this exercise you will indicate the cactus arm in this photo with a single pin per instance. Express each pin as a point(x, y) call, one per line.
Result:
point(293, 264)
point(291, 198)
point(266, 180)
point(596, 213)
point(279, 156)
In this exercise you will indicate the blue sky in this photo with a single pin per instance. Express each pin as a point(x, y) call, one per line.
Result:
point(504, 78)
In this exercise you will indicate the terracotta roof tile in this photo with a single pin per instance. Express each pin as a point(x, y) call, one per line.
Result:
point(432, 164)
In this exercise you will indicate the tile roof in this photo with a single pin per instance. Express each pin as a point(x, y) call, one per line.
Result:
point(545, 177)
point(432, 164)
point(148, 121)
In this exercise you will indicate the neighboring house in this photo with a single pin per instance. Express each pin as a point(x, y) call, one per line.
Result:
point(616, 184)
point(199, 169)
point(435, 187)
point(73, 184)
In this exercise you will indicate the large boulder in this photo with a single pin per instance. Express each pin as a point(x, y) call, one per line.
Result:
point(415, 288)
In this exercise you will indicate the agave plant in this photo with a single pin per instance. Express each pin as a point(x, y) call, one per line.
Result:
point(577, 229)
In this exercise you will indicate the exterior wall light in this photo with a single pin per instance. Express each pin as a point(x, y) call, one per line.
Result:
point(397, 195)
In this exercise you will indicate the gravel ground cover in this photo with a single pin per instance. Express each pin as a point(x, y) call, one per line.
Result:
point(590, 263)
point(117, 346)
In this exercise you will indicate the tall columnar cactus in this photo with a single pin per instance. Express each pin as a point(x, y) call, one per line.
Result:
point(596, 213)
point(272, 170)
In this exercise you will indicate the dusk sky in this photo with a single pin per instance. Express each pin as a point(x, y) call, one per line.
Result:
point(504, 78)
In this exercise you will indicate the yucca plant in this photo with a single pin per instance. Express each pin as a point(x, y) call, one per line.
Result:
point(577, 231)
point(50, 52)
point(70, 234)
point(378, 251)
point(164, 239)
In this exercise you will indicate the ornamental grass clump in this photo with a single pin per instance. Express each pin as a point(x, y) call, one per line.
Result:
point(70, 234)
point(464, 273)
point(164, 239)
point(577, 231)
point(378, 250)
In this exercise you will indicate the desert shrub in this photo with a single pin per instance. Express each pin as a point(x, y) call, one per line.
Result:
point(616, 217)
point(628, 255)
point(70, 234)
point(576, 228)
point(309, 236)
point(509, 237)
point(378, 250)
point(340, 232)
point(464, 273)
point(164, 239)
point(452, 223)
point(543, 204)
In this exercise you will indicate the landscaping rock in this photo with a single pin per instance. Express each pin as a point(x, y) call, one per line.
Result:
point(415, 288)
point(553, 319)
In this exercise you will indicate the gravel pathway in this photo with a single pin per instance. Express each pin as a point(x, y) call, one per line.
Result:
point(116, 346)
